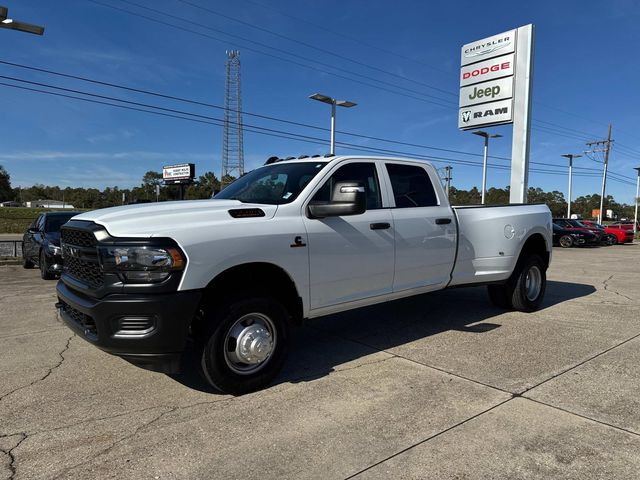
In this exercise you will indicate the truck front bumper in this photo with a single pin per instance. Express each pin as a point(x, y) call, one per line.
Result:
point(148, 330)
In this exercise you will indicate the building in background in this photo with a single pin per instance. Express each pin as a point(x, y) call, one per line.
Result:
point(49, 204)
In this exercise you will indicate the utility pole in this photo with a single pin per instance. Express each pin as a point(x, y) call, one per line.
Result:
point(570, 156)
point(606, 148)
point(448, 178)
point(635, 217)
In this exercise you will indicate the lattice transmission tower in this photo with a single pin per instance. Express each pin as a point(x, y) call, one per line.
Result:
point(232, 144)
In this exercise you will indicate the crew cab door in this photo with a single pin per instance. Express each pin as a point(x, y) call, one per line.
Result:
point(351, 256)
point(425, 228)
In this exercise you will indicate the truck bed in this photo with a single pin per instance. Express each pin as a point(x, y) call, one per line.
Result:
point(490, 239)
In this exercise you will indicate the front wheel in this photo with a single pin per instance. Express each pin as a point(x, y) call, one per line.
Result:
point(566, 241)
point(525, 289)
point(613, 240)
point(44, 268)
point(245, 344)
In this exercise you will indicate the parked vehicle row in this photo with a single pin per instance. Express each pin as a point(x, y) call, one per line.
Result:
point(568, 232)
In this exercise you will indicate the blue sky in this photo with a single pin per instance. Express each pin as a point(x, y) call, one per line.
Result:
point(586, 75)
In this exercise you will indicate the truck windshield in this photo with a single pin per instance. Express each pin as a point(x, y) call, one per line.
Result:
point(274, 184)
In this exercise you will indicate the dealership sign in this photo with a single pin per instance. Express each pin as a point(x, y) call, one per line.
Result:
point(177, 174)
point(486, 81)
point(487, 70)
point(494, 113)
point(496, 75)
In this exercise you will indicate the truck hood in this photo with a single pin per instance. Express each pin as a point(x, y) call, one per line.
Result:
point(160, 219)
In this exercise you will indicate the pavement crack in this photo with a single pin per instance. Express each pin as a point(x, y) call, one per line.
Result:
point(570, 412)
point(430, 437)
point(12, 457)
point(46, 375)
point(592, 357)
point(118, 441)
point(606, 287)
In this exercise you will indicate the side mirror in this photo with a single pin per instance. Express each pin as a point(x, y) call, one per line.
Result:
point(32, 230)
point(348, 198)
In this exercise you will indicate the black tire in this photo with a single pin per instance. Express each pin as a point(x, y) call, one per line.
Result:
point(614, 240)
point(44, 267)
point(525, 296)
point(566, 241)
point(515, 293)
point(217, 344)
point(26, 263)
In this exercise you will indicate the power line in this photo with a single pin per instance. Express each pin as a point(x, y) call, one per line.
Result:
point(208, 118)
point(308, 45)
point(245, 47)
point(325, 29)
point(304, 58)
point(296, 137)
point(219, 107)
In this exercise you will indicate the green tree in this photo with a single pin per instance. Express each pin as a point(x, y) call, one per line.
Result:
point(203, 187)
point(554, 200)
point(6, 192)
point(497, 196)
point(464, 197)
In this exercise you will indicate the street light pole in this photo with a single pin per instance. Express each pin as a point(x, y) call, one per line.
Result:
point(333, 102)
point(635, 218)
point(570, 156)
point(12, 24)
point(333, 128)
point(486, 137)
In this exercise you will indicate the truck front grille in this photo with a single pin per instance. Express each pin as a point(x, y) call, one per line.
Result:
point(84, 321)
point(80, 257)
point(86, 271)
point(78, 238)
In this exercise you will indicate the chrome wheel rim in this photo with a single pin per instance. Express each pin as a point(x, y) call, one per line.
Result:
point(533, 283)
point(565, 242)
point(249, 343)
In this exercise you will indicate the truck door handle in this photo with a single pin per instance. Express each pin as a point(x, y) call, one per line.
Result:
point(443, 221)
point(379, 226)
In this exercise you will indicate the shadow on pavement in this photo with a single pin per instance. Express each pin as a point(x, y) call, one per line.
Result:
point(323, 344)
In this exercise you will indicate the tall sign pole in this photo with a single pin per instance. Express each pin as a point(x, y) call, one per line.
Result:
point(522, 115)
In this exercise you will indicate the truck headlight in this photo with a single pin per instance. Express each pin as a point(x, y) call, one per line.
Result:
point(141, 264)
point(54, 249)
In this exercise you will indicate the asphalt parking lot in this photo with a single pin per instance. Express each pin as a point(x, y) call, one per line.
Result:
point(442, 386)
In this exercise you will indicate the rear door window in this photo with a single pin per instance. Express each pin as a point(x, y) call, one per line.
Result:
point(411, 186)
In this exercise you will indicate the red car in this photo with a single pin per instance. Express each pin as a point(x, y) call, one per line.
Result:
point(624, 225)
point(622, 235)
point(571, 224)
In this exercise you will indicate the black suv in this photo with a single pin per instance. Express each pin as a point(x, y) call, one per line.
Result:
point(41, 243)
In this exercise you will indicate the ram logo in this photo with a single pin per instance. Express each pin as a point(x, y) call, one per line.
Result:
point(466, 115)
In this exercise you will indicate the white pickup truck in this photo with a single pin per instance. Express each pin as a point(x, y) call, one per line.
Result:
point(290, 240)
